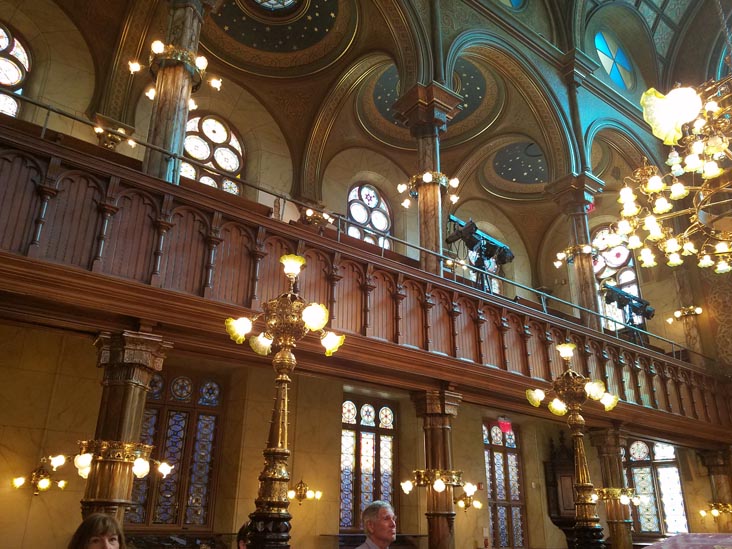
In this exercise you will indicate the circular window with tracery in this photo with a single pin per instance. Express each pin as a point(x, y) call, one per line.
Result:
point(15, 65)
point(211, 142)
point(369, 215)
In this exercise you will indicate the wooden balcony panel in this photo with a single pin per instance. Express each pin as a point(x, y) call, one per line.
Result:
point(68, 208)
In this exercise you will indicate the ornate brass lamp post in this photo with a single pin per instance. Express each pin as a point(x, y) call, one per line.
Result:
point(288, 318)
point(572, 390)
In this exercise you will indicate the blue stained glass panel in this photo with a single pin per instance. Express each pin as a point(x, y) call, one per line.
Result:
point(503, 531)
point(488, 475)
point(511, 439)
point(513, 477)
point(500, 476)
point(210, 394)
point(348, 466)
point(486, 439)
point(368, 415)
point(386, 465)
point(156, 387)
point(166, 506)
point(200, 477)
point(518, 528)
point(368, 458)
point(647, 510)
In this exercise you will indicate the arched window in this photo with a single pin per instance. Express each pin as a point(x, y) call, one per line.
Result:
point(182, 420)
point(15, 65)
point(614, 266)
point(504, 486)
point(212, 142)
point(513, 4)
point(614, 60)
point(369, 215)
point(368, 450)
point(653, 473)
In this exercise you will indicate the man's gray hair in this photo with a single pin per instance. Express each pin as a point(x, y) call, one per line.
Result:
point(371, 512)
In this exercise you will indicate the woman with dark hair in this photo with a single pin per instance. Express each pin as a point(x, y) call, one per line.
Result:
point(98, 531)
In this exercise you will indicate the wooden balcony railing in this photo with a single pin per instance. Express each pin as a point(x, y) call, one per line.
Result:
point(82, 230)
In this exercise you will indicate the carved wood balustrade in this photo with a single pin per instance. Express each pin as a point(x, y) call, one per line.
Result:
point(89, 243)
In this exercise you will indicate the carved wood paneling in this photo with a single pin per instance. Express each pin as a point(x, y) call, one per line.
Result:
point(178, 238)
point(413, 329)
point(233, 271)
point(349, 298)
point(383, 308)
point(184, 257)
point(492, 337)
point(515, 353)
point(18, 199)
point(441, 332)
point(466, 331)
point(130, 245)
point(71, 229)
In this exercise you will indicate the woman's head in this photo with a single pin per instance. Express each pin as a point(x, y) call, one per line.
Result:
point(98, 531)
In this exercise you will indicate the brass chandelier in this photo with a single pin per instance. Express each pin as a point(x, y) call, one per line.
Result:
point(697, 124)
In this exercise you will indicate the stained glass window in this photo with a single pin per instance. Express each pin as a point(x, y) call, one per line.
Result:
point(653, 473)
point(513, 4)
point(368, 454)
point(211, 142)
point(504, 486)
point(369, 215)
point(15, 64)
point(182, 420)
point(614, 266)
point(614, 60)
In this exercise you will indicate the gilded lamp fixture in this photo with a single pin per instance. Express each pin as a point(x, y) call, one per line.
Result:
point(287, 319)
point(411, 188)
point(302, 492)
point(716, 510)
point(571, 390)
point(685, 312)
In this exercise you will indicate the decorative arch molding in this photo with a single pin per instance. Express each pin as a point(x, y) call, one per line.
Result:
point(515, 68)
point(628, 144)
point(326, 117)
point(414, 56)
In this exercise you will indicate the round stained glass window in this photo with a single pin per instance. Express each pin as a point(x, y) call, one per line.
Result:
point(187, 170)
point(386, 418)
point(348, 413)
point(181, 388)
point(210, 393)
point(370, 214)
point(275, 5)
point(210, 139)
point(616, 257)
point(14, 67)
point(215, 130)
point(513, 4)
point(8, 105)
point(197, 148)
point(10, 73)
point(380, 220)
point(227, 159)
point(230, 187)
point(639, 451)
point(368, 415)
point(358, 212)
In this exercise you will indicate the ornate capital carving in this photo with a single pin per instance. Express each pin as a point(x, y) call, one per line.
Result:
point(425, 110)
point(437, 402)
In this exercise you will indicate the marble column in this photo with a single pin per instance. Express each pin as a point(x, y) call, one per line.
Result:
point(437, 408)
point(609, 443)
point(176, 77)
point(574, 194)
point(425, 110)
point(717, 463)
point(129, 360)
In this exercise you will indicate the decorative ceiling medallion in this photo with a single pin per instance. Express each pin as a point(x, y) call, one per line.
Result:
point(516, 168)
point(307, 38)
point(483, 97)
point(274, 12)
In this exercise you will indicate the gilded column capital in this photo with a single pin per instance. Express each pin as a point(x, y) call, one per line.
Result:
point(129, 348)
